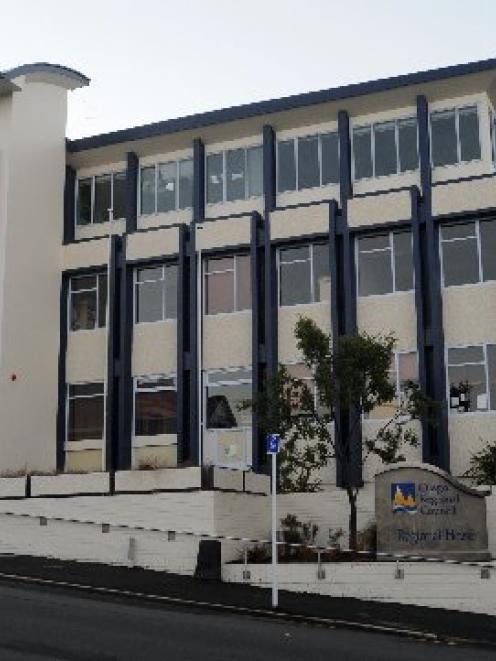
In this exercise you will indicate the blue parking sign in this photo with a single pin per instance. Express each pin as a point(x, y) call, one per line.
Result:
point(273, 441)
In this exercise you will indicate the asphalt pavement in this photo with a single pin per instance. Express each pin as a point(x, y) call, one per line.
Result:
point(40, 623)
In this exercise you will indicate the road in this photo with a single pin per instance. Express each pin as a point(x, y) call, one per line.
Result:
point(40, 624)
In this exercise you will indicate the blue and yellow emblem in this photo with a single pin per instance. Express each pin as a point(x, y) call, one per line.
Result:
point(403, 497)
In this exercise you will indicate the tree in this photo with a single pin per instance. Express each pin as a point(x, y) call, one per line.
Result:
point(349, 380)
point(483, 465)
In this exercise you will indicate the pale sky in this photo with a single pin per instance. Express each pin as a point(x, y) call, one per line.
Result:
point(150, 60)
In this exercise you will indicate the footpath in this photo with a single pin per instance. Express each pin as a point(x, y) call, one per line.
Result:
point(185, 591)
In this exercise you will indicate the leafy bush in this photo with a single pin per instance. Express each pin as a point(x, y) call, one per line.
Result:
point(483, 465)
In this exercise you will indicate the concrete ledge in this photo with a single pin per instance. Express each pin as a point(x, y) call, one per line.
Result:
point(257, 483)
point(227, 479)
point(75, 484)
point(13, 487)
point(162, 479)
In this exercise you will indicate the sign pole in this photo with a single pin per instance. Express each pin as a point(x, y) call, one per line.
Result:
point(275, 596)
point(273, 441)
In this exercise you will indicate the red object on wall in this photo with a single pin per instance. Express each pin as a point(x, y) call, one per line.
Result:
point(13, 377)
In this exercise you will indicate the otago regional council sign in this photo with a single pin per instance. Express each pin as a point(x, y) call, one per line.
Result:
point(422, 510)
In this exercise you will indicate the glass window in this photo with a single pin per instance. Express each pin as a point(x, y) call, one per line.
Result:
point(119, 194)
point(254, 171)
point(468, 125)
point(330, 158)
point(443, 138)
point(403, 369)
point(166, 187)
point(468, 388)
point(227, 284)
point(215, 178)
point(488, 249)
point(88, 302)
point(186, 184)
point(84, 202)
point(235, 175)
point(295, 276)
point(385, 263)
point(455, 136)
point(375, 273)
point(362, 152)
point(86, 412)
point(155, 406)
point(308, 162)
point(407, 144)
point(147, 190)
point(156, 293)
point(321, 273)
point(304, 275)
point(460, 254)
point(403, 261)
point(225, 392)
point(286, 166)
point(103, 198)
point(392, 144)
point(385, 149)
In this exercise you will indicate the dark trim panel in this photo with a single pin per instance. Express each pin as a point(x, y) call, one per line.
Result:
point(257, 346)
point(436, 444)
point(123, 459)
point(132, 170)
point(201, 120)
point(345, 180)
point(198, 180)
point(182, 345)
point(62, 388)
point(192, 348)
point(113, 353)
point(69, 204)
point(269, 169)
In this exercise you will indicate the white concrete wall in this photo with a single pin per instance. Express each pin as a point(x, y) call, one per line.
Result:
point(434, 585)
point(32, 221)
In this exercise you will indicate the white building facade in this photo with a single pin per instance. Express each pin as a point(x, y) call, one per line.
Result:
point(150, 277)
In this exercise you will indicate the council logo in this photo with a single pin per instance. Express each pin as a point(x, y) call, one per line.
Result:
point(403, 497)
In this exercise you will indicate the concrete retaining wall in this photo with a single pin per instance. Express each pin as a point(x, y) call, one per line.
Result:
point(456, 587)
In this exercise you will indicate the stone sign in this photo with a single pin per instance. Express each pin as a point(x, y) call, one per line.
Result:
point(424, 511)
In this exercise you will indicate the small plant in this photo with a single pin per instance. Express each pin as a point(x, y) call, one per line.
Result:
point(483, 465)
point(257, 554)
point(294, 531)
point(367, 538)
point(334, 538)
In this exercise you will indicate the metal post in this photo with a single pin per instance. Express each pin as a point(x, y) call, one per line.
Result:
point(275, 595)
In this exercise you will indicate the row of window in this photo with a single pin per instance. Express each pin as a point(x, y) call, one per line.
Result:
point(384, 265)
point(471, 376)
point(379, 149)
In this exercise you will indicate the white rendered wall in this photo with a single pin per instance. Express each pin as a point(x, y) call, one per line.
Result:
point(29, 252)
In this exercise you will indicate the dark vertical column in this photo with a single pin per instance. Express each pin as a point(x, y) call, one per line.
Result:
point(269, 168)
point(271, 304)
point(193, 369)
point(257, 324)
point(436, 448)
point(62, 389)
point(198, 180)
point(69, 204)
point(132, 192)
point(113, 351)
point(183, 373)
point(125, 390)
point(346, 303)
